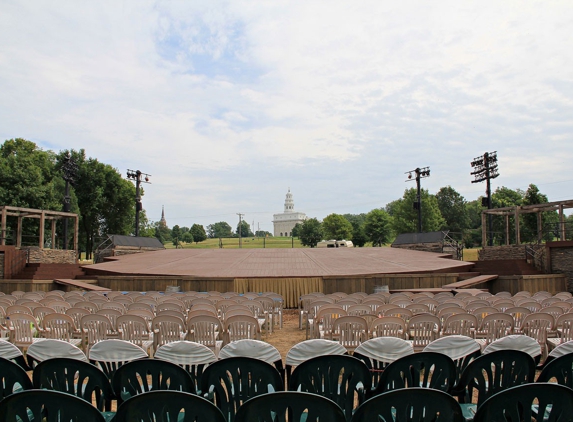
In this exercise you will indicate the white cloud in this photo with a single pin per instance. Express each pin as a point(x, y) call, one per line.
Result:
point(202, 94)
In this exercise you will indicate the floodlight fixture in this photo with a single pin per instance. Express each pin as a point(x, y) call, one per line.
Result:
point(135, 175)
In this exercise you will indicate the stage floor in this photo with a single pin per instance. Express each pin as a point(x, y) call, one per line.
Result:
point(297, 262)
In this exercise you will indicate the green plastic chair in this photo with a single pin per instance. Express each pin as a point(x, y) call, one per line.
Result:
point(559, 369)
point(527, 403)
point(408, 405)
point(13, 378)
point(78, 378)
point(168, 406)
point(491, 373)
point(423, 369)
point(47, 406)
point(291, 406)
point(143, 375)
point(343, 379)
point(231, 382)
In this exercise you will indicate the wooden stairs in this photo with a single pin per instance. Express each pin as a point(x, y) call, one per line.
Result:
point(40, 271)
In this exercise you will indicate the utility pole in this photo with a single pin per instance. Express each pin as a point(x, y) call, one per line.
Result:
point(240, 229)
point(419, 174)
point(136, 175)
point(486, 168)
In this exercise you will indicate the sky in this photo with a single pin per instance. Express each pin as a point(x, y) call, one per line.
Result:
point(228, 104)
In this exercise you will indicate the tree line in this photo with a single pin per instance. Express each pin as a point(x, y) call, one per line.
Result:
point(104, 202)
point(447, 210)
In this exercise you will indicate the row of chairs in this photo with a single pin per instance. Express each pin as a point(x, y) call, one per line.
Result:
point(270, 302)
point(428, 302)
point(24, 329)
point(524, 402)
point(343, 379)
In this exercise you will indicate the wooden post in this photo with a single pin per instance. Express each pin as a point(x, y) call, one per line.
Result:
point(3, 228)
point(517, 234)
point(483, 230)
point(19, 234)
point(76, 231)
point(561, 224)
point(539, 227)
point(42, 228)
point(53, 233)
point(507, 229)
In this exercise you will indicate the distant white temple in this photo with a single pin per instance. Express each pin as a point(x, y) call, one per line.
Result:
point(284, 223)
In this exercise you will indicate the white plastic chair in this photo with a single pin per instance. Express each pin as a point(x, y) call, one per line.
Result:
point(52, 348)
point(109, 355)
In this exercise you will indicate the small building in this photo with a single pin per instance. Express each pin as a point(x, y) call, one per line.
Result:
point(284, 222)
point(116, 245)
point(439, 242)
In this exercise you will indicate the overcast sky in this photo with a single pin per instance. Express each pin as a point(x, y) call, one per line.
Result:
point(228, 104)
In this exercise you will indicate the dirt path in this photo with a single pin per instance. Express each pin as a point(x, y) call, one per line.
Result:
point(283, 339)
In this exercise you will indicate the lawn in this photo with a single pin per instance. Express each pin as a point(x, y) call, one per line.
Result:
point(247, 242)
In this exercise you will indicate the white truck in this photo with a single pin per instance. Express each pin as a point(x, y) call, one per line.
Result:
point(335, 244)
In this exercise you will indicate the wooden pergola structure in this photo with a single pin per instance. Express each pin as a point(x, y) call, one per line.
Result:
point(43, 216)
point(517, 210)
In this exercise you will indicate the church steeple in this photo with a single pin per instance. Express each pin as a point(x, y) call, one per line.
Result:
point(289, 203)
point(163, 222)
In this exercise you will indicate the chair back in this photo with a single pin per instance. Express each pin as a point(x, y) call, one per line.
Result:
point(411, 404)
point(143, 375)
point(193, 357)
point(48, 406)
point(245, 377)
point(291, 406)
point(388, 326)
point(13, 378)
point(111, 354)
point(53, 348)
point(461, 349)
point(494, 372)
point(155, 406)
point(527, 402)
point(343, 379)
point(379, 352)
point(75, 377)
point(422, 369)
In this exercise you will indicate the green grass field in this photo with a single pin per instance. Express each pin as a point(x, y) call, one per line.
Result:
point(247, 242)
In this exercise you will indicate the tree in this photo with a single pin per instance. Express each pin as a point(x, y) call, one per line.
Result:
point(472, 236)
point(377, 227)
point(501, 198)
point(105, 200)
point(549, 219)
point(29, 179)
point(263, 233)
point(310, 232)
point(453, 209)
point(244, 229)
point(405, 217)
point(187, 237)
point(176, 235)
point(335, 226)
point(296, 230)
point(28, 176)
point(220, 229)
point(198, 233)
point(359, 237)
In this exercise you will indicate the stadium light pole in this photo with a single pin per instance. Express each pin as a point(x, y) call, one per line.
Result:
point(419, 173)
point(136, 175)
point(70, 170)
point(486, 168)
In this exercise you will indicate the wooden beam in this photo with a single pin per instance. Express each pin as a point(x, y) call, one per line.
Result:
point(42, 227)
